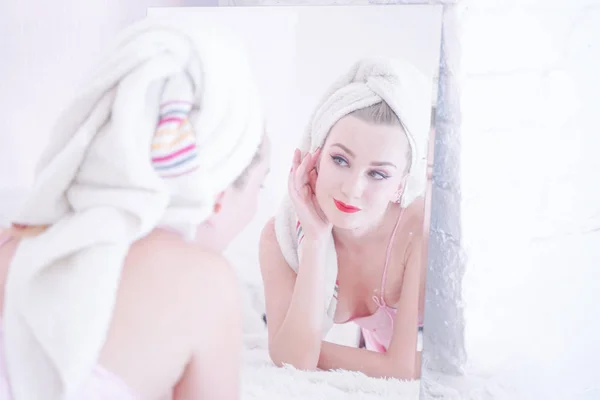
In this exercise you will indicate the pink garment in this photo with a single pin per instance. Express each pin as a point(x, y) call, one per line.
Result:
point(377, 328)
point(102, 385)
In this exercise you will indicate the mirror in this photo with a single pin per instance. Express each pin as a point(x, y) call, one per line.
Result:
point(333, 265)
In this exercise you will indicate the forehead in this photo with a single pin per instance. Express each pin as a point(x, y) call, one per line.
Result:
point(372, 141)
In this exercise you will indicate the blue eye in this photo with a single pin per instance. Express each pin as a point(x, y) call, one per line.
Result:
point(378, 175)
point(339, 160)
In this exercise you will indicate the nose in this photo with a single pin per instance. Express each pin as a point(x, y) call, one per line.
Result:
point(353, 186)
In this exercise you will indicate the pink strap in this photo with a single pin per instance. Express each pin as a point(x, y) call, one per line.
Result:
point(381, 301)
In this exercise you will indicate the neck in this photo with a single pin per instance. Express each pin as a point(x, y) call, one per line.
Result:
point(372, 234)
point(208, 236)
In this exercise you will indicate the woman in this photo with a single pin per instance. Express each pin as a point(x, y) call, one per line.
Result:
point(125, 229)
point(358, 188)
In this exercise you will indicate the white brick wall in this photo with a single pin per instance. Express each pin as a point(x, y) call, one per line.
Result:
point(530, 203)
point(514, 262)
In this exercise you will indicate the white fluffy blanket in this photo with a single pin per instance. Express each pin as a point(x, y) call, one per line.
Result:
point(263, 380)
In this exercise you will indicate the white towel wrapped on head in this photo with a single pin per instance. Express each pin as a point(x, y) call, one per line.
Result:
point(368, 82)
point(171, 117)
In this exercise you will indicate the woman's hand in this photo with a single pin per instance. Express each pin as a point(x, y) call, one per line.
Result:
point(301, 188)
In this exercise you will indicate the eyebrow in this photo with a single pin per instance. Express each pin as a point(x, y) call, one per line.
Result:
point(374, 163)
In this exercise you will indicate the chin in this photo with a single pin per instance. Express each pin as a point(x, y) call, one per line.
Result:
point(337, 218)
point(346, 225)
point(343, 220)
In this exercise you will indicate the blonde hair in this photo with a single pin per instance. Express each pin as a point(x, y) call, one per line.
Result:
point(382, 114)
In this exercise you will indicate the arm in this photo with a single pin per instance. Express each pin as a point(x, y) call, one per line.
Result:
point(402, 360)
point(308, 350)
point(294, 303)
point(215, 316)
point(403, 352)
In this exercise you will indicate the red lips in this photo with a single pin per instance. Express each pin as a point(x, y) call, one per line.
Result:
point(345, 207)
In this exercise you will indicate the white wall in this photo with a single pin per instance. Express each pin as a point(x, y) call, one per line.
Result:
point(514, 277)
point(530, 194)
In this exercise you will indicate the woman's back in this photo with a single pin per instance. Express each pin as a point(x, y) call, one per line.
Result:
point(160, 308)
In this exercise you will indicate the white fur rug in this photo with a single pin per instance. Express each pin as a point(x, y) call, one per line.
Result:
point(262, 380)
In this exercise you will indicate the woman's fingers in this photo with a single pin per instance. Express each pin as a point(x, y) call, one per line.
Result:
point(297, 159)
point(291, 184)
point(315, 158)
point(292, 189)
point(303, 173)
point(291, 178)
point(312, 180)
point(309, 162)
point(317, 208)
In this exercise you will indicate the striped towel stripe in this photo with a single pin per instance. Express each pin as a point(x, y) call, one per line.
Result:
point(173, 151)
point(299, 233)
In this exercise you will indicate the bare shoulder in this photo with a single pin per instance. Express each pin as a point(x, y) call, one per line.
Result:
point(267, 236)
point(415, 216)
point(410, 234)
point(165, 278)
point(170, 295)
point(187, 254)
point(416, 209)
point(186, 269)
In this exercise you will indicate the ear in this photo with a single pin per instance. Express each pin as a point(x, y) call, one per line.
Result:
point(218, 202)
point(402, 184)
point(397, 196)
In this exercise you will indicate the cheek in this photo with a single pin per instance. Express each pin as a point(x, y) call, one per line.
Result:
point(330, 176)
point(326, 185)
point(378, 192)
